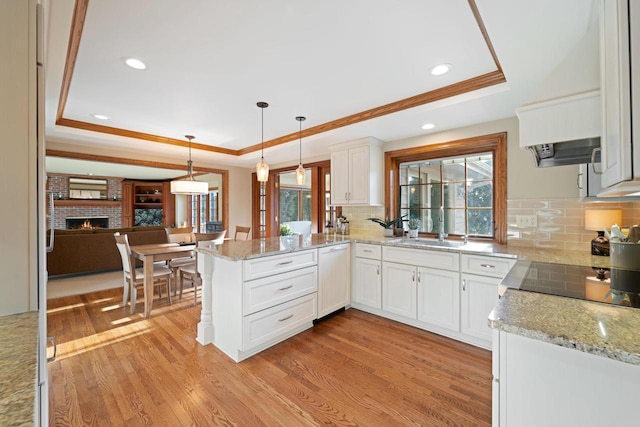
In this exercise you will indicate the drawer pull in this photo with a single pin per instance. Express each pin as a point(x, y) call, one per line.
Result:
point(487, 266)
point(285, 288)
point(285, 262)
point(367, 251)
point(285, 318)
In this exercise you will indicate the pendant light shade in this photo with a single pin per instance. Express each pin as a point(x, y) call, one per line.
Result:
point(189, 186)
point(262, 168)
point(300, 170)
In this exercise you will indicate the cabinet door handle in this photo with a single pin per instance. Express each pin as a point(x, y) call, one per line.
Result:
point(593, 160)
point(413, 276)
point(52, 340)
point(378, 270)
point(418, 277)
point(579, 181)
point(285, 262)
point(285, 288)
point(346, 196)
point(487, 266)
point(464, 284)
point(285, 318)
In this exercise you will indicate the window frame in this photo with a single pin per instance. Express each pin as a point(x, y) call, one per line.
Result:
point(494, 143)
point(207, 208)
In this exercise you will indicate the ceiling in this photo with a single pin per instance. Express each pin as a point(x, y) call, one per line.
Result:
point(354, 69)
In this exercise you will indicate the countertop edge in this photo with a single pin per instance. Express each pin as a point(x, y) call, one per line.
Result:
point(579, 327)
point(18, 368)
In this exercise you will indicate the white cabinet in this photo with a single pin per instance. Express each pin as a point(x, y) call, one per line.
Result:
point(367, 285)
point(399, 289)
point(619, 61)
point(357, 173)
point(542, 384)
point(438, 297)
point(478, 297)
point(250, 305)
point(481, 276)
point(422, 285)
point(334, 271)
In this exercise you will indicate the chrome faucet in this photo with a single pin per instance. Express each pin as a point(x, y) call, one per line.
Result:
point(441, 234)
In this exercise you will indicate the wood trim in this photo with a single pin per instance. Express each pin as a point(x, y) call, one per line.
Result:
point(126, 161)
point(472, 84)
point(469, 85)
point(77, 26)
point(496, 143)
point(88, 203)
point(485, 34)
point(141, 135)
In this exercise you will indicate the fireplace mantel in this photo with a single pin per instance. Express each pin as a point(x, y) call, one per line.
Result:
point(87, 202)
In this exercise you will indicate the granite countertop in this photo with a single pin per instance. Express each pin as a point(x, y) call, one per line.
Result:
point(18, 368)
point(247, 249)
point(596, 328)
point(256, 248)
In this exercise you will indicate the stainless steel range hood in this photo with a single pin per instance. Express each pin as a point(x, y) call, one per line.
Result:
point(575, 152)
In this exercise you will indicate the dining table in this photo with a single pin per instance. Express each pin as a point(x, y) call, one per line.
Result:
point(152, 253)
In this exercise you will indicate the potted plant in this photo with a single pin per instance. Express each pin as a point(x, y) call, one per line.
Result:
point(414, 225)
point(285, 230)
point(389, 224)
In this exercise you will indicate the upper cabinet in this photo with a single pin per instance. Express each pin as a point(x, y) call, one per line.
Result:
point(620, 92)
point(357, 172)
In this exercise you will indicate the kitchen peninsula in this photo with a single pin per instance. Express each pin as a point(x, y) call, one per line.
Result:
point(259, 292)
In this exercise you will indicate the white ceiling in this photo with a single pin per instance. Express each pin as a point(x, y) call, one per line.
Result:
point(209, 62)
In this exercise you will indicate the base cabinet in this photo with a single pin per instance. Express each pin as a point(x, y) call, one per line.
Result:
point(479, 295)
point(367, 288)
point(438, 297)
point(399, 289)
point(334, 278)
point(542, 384)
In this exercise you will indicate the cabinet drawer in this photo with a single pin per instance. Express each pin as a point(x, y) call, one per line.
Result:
point(266, 325)
point(367, 250)
point(422, 258)
point(270, 265)
point(486, 265)
point(272, 290)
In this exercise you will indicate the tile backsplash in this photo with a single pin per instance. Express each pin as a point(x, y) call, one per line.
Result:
point(559, 222)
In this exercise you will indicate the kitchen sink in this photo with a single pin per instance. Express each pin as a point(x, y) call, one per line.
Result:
point(430, 242)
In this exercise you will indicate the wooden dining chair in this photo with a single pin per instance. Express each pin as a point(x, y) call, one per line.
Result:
point(179, 235)
point(190, 273)
point(242, 233)
point(134, 277)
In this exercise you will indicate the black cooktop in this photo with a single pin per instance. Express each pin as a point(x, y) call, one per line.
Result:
point(605, 285)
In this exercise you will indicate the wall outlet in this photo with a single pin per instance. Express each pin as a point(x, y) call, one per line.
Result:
point(526, 221)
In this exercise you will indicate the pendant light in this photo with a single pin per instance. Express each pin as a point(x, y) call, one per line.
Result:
point(189, 186)
point(262, 169)
point(300, 170)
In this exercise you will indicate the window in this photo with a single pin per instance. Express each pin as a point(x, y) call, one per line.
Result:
point(461, 186)
point(295, 205)
point(204, 208)
point(463, 182)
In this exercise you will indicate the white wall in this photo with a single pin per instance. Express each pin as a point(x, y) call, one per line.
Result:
point(524, 179)
point(18, 173)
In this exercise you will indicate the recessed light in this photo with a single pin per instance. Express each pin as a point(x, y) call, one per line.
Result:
point(428, 126)
point(100, 116)
point(441, 69)
point(135, 63)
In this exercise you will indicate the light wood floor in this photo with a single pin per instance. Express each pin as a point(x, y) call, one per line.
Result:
point(353, 369)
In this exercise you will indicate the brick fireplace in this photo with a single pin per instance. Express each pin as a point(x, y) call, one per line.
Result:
point(108, 211)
